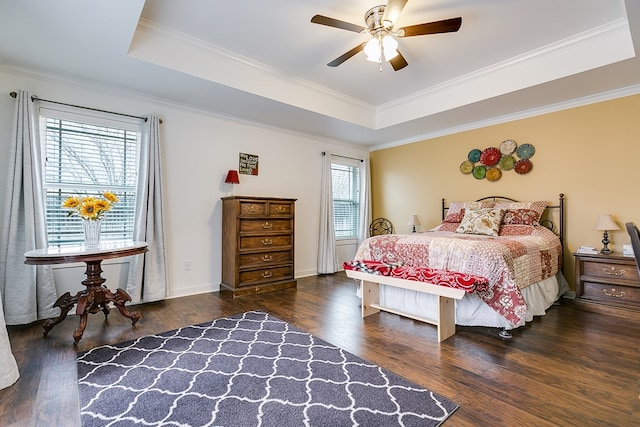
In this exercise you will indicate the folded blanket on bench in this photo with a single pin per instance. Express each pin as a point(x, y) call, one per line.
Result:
point(452, 279)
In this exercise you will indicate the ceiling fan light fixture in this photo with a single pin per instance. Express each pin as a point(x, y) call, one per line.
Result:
point(390, 47)
point(372, 50)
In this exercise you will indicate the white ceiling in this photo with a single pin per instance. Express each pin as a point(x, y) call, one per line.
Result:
point(264, 61)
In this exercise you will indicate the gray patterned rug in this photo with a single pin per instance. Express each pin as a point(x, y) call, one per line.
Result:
point(250, 369)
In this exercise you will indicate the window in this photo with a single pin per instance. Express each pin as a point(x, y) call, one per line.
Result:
point(345, 181)
point(85, 156)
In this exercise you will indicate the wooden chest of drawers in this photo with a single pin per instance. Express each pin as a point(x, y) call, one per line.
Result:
point(257, 244)
point(608, 284)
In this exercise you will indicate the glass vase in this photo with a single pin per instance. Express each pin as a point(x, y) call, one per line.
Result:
point(91, 232)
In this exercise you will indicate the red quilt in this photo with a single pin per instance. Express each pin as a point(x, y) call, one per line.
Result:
point(452, 279)
point(522, 256)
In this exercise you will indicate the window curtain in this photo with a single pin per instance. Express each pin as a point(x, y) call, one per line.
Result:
point(147, 279)
point(28, 292)
point(365, 201)
point(327, 254)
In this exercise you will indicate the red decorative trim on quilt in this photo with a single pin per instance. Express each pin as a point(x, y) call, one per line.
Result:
point(452, 279)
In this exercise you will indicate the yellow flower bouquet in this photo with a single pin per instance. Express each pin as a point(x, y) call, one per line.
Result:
point(90, 208)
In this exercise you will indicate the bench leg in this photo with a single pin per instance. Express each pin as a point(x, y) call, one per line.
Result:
point(446, 318)
point(370, 295)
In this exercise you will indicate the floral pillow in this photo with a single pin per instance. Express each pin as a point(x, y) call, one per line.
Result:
point(520, 217)
point(481, 221)
point(537, 207)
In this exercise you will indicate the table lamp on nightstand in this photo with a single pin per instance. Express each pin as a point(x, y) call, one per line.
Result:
point(413, 221)
point(605, 224)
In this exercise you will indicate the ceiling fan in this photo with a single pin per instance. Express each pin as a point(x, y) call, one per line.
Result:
point(380, 21)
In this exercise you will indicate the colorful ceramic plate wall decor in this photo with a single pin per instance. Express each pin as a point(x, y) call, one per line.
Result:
point(479, 172)
point(466, 167)
point(490, 156)
point(523, 166)
point(493, 174)
point(508, 146)
point(474, 155)
point(526, 151)
point(506, 163)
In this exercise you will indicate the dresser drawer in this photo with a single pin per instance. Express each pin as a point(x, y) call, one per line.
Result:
point(264, 225)
point(253, 277)
point(252, 208)
point(265, 242)
point(280, 209)
point(265, 258)
point(612, 294)
point(611, 271)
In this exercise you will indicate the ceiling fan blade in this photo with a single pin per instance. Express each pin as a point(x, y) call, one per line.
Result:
point(336, 23)
point(444, 26)
point(398, 62)
point(339, 60)
point(392, 10)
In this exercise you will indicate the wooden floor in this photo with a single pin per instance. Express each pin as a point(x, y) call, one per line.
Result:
point(568, 368)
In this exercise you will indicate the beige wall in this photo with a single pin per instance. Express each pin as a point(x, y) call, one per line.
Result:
point(590, 153)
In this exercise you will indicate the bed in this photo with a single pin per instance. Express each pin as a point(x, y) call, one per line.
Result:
point(516, 246)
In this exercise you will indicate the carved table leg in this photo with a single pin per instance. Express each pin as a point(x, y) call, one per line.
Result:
point(119, 298)
point(65, 303)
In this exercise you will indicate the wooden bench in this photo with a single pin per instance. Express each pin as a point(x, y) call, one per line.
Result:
point(446, 315)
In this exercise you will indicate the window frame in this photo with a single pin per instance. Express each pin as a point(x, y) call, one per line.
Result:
point(355, 199)
point(121, 227)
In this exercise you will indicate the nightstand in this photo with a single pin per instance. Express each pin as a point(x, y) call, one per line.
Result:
point(608, 284)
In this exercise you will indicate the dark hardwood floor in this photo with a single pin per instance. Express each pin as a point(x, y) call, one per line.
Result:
point(568, 368)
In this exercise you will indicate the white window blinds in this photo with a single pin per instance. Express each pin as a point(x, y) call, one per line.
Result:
point(345, 181)
point(86, 156)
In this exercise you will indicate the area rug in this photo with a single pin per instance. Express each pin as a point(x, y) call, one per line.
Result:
point(250, 369)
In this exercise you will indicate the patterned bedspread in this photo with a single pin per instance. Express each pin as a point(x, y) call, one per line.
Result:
point(519, 257)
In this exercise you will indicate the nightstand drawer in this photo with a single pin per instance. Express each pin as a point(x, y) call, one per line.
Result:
point(611, 271)
point(612, 294)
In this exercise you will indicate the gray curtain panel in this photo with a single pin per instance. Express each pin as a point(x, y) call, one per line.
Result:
point(28, 292)
point(327, 254)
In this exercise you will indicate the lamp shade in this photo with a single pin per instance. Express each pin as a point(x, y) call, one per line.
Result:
point(414, 220)
point(232, 177)
point(606, 223)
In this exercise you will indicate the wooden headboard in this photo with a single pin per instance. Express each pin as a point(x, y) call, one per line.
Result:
point(545, 222)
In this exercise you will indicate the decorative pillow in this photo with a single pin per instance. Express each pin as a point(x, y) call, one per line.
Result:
point(537, 207)
point(455, 216)
point(481, 221)
point(455, 207)
point(520, 217)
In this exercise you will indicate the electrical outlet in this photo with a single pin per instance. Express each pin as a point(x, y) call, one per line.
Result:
point(187, 265)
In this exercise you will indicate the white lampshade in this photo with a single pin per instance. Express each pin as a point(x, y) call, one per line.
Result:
point(414, 220)
point(390, 47)
point(606, 223)
point(372, 50)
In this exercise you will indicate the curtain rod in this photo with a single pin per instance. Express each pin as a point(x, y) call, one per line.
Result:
point(324, 153)
point(35, 98)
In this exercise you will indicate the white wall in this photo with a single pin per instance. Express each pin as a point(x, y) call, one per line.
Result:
point(198, 149)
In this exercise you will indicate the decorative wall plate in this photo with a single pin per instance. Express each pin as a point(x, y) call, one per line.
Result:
point(466, 167)
point(523, 166)
point(479, 172)
point(506, 162)
point(493, 174)
point(490, 156)
point(526, 151)
point(474, 155)
point(508, 146)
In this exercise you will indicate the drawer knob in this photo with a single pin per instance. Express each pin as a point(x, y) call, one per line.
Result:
point(612, 293)
point(267, 226)
point(252, 209)
point(281, 209)
point(266, 274)
point(267, 242)
point(267, 258)
point(612, 271)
